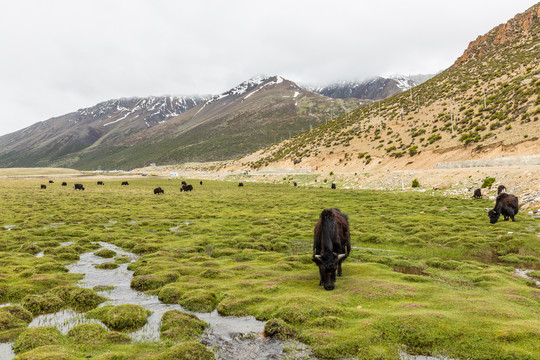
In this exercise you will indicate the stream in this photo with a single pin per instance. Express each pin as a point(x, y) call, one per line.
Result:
point(229, 337)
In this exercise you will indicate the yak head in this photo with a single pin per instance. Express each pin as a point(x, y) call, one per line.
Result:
point(328, 264)
point(493, 215)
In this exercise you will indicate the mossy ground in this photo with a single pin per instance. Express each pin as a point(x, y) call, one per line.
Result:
point(427, 273)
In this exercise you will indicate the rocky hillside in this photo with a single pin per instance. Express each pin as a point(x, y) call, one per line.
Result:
point(486, 105)
point(378, 88)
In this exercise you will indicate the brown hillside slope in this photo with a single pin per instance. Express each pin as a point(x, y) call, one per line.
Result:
point(486, 105)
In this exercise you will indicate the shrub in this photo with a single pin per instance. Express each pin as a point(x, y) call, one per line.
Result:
point(105, 253)
point(488, 182)
point(415, 183)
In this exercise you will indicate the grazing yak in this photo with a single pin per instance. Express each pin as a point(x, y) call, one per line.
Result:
point(100, 183)
point(64, 183)
point(295, 184)
point(201, 182)
point(125, 183)
point(333, 185)
point(158, 190)
point(43, 186)
point(331, 245)
point(501, 189)
point(240, 184)
point(51, 182)
point(186, 187)
point(477, 194)
point(507, 205)
point(78, 187)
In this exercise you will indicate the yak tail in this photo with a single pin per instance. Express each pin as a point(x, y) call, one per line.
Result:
point(328, 225)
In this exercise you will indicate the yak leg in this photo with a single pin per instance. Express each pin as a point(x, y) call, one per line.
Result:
point(321, 274)
point(512, 217)
point(339, 269)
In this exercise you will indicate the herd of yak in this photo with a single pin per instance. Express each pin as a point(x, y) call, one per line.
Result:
point(332, 239)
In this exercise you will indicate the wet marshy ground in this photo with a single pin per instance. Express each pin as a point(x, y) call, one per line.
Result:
point(229, 337)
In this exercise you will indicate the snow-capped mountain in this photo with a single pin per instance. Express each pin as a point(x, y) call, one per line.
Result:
point(152, 110)
point(131, 132)
point(378, 88)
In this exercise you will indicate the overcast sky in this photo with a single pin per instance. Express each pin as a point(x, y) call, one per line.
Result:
point(58, 56)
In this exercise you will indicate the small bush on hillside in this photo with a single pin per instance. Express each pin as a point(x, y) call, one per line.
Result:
point(415, 183)
point(488, 182)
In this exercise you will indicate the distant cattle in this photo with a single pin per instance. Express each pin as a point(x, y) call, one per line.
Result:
point(501, 189)
point(477, 194)
point(64, 183)
point(78, 187)
point(100, 183)
point(125, 183)
point(240, 184)
point(43, 186)
point(51, 182)
point(186, 187)
point(333, 185)
point(505, 204)
point(295, 184)
point(158, 190)
point(201, 182)
point(184, 183)
point(331, 245)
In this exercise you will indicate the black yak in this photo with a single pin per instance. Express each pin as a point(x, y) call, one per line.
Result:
point(240, 184)
point(295, 184)
point(501, 189)
point(64, 183)
point(78, 187)
point(125, 183)
point(43, 186)
point(201, 182)
point(158, 190)
point(100, 183)
point(477, 194)
point(333, 185)
point(331, 245)
point(507, 205)
point(186, 187)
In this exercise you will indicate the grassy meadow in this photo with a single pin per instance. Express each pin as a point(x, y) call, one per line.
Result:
point(428, 274)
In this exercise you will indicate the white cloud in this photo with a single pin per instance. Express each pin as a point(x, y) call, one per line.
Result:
point(61, 55)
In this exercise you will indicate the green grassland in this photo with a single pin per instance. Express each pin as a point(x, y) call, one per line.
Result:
point(428, 274)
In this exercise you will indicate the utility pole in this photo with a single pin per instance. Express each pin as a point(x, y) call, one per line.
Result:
point(485, 98)
point(452, 120)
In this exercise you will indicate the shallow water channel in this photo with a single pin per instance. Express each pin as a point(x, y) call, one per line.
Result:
point(229, 337)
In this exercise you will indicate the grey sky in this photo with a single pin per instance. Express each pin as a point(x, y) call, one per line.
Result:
point(61, 55)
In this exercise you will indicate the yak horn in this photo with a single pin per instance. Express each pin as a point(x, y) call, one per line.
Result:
point(317, 257)
point(486, 209)
point(341, 256)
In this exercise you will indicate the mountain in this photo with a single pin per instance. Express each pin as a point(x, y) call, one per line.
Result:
point(487, 104)
point(378, 88)
point(126, 133)
point(99, 125)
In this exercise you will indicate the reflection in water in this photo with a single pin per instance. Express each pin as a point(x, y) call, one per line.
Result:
point(523, 273)
point(230, 337)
